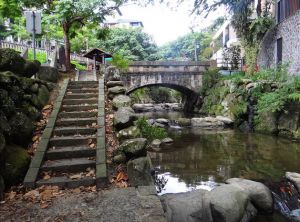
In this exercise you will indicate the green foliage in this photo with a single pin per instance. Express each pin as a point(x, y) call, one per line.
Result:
point(279, 74)
point(119, 61)
point(209, 79)
point(78, 65)
point(232, 57)
point(131, 43)
point(238, 109)
point(150, 132)
point(183, 48)
point(40, 56)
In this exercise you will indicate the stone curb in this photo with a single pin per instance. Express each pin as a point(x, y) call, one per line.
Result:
point(33, 171)
point(101, 169)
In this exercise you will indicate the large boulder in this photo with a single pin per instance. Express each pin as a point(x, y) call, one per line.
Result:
point(139, 171)
point(134, 147)
point(258, 193)
point(10, 60)
point(266, 122)
point(129, 133)
point(48, 73)
point(21, 129)
point(294, 177)
point(31, 68)
point(124, 118)
point(121, 101)
point(42, 97)
point(112, 73)
point(228, 203)
point(16, 164)
point(288, 121)
point(187, 207)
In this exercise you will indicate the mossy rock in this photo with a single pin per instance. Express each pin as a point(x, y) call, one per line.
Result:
point(32, 112)
point(7, 105)
point(129, 133)
point(42, 97)
point(266, 122)
point(2, 142)
point(184, 121)
point(10, 60)
point(16, 164)
point(31, 68)
point(34, 88)
point(21, 129)
point(48, 73)
point(4, 125)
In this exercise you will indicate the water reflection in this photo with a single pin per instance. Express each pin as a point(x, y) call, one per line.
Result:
point(200, 158)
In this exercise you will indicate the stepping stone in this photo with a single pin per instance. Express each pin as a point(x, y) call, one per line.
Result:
point(75, 121)
point(70, 165)
point(80, 101)
point(71, 140)
point(67, 131)
point(77, 114)
point(67, 182)
point(70, 108)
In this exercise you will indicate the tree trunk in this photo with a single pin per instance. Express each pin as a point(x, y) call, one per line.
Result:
point(67, 46)
point(258, 8)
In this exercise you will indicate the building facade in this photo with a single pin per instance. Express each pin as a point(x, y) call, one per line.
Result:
point(123, 23)
point(281, 45)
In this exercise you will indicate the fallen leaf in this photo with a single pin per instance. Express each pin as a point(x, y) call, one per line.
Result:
point(47, 107)
point(35, 138)
point(92, 145)
point(122, 176)
point(12, 195)
point(44, 205)
point(76, 176)
point(94, 124)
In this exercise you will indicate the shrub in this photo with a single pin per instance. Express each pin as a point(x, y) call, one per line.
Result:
point(40, 56)
point(78, 66)
point(210, 78)
point(150, 132)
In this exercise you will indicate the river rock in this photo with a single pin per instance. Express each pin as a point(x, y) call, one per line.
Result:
point(143, 107)
point(225, 120)
point(259, 194)
point(228, 203)
point(187, 207)
point(21, 129)
point(207, 122)
point(160, 125)
point(124, 118)
point(155, 143)
point(167, 140)
point(295, 178)
point(184, 121)
point(16, 164)
point(43, 96)
point(129, 133)
point(162, 121)
point(121, 101)
point(34, 88)
point(116, 90)
point(114, 83)
point(48, 73)
point(134, 147)
point(139, 171)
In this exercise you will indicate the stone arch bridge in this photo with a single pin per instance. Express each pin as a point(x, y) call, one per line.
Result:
point(183, 76)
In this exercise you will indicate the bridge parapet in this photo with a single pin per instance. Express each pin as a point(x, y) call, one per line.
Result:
point(167, 66)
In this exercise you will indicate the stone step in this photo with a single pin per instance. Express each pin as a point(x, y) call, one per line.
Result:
point(71, 141)
point(67, 131)
point(81, 95)
point(83, 82)
point(77, 114)
point(76, 121)
point(85, 90)
point(70, 152)
point(72, 108)
point(68, 165)
point(83, 86)
point(65, 182)
point(79, 101)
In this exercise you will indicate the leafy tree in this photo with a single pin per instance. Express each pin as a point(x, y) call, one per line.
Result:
point(131, 43)
point(184, 47)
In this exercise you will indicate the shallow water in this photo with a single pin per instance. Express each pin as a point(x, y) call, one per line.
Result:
point(201, 158)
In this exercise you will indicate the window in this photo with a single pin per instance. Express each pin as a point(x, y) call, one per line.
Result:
point(279, 51)
point(286, 8)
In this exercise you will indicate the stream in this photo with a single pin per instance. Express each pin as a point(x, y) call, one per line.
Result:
point(200, 159)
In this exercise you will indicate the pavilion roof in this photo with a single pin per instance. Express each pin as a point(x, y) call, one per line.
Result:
point(98, 53)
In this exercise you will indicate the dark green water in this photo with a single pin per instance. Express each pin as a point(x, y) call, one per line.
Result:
point(200, 158)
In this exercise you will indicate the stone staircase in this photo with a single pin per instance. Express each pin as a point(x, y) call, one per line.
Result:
point(71, 152)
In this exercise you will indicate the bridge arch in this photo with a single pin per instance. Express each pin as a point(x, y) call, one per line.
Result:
point(183, 76)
